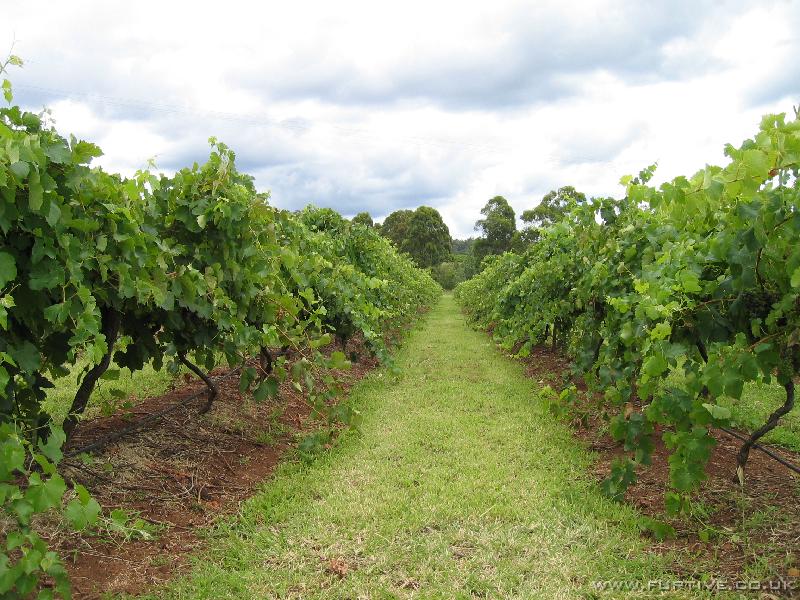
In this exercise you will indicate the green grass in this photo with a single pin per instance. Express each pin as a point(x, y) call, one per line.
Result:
point(459, 486)
point(132, 387)
point(752, 410)
point(757, 403)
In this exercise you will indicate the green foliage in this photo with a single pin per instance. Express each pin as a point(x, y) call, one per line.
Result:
point(395, 227)
point(429, 238)
point(364, 218)
point(552, 208)
point(127, 526)
point(497, 227)
point(445, 275)
point(460, 267)
point(674, 296)
point(462, 246)
point(474, 464)
point(155, 268)
point(478, 295)
point(659, 529)
point(30, 486)
point(111, 272)
point(362, 284)
point(420, 233)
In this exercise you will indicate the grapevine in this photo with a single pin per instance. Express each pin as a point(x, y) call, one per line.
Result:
point(667, 300)
point(193, 269)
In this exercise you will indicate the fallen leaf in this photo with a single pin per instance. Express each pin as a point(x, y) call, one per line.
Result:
point(337, 567)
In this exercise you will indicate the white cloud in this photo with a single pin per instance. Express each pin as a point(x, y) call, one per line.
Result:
point(376, 106)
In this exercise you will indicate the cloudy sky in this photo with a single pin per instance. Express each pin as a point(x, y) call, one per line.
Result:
point(379, 106)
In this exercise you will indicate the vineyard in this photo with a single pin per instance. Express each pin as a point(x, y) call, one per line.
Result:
point(668, 301)
point(193, 270)
point(254, 355)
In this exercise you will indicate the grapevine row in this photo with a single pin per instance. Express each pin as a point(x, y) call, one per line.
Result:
point(162, 271)
point(667, 300)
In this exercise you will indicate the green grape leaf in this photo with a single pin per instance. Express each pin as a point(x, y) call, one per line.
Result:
point(8, 268)
point(338, 360)
point(248, 376)
point(26, 356)
point(795, 280)
point(35, 191)
point(58, 152)
point(655, 365)
point(721, 413)
point(661, 331)
point(20, 169)
point(55, 441)
point(82, 514)
point(12, 457)
point(111, 375)
point(44, 495)
point(266, 389)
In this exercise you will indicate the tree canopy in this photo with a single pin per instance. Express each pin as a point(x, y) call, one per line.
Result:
point(498, 227)
point(395, 227)
point(421, 233)
point(462, 246)
point(550, 210)
point(364, 218)
point(552, 207)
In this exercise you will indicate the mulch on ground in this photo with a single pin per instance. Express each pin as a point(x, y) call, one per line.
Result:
point(178, 475)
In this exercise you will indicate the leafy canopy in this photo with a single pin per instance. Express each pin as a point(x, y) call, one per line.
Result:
point(421, 233)
point(497, 228)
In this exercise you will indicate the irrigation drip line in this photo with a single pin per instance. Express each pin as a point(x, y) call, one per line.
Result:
point(112, 437)
point(766, 451)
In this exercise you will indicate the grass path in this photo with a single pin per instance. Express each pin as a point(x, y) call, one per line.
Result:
point(459, 486)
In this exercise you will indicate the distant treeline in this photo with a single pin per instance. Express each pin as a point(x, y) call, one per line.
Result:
point(424, 236)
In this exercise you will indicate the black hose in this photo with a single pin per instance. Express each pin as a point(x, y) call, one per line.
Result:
point(766, 451)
